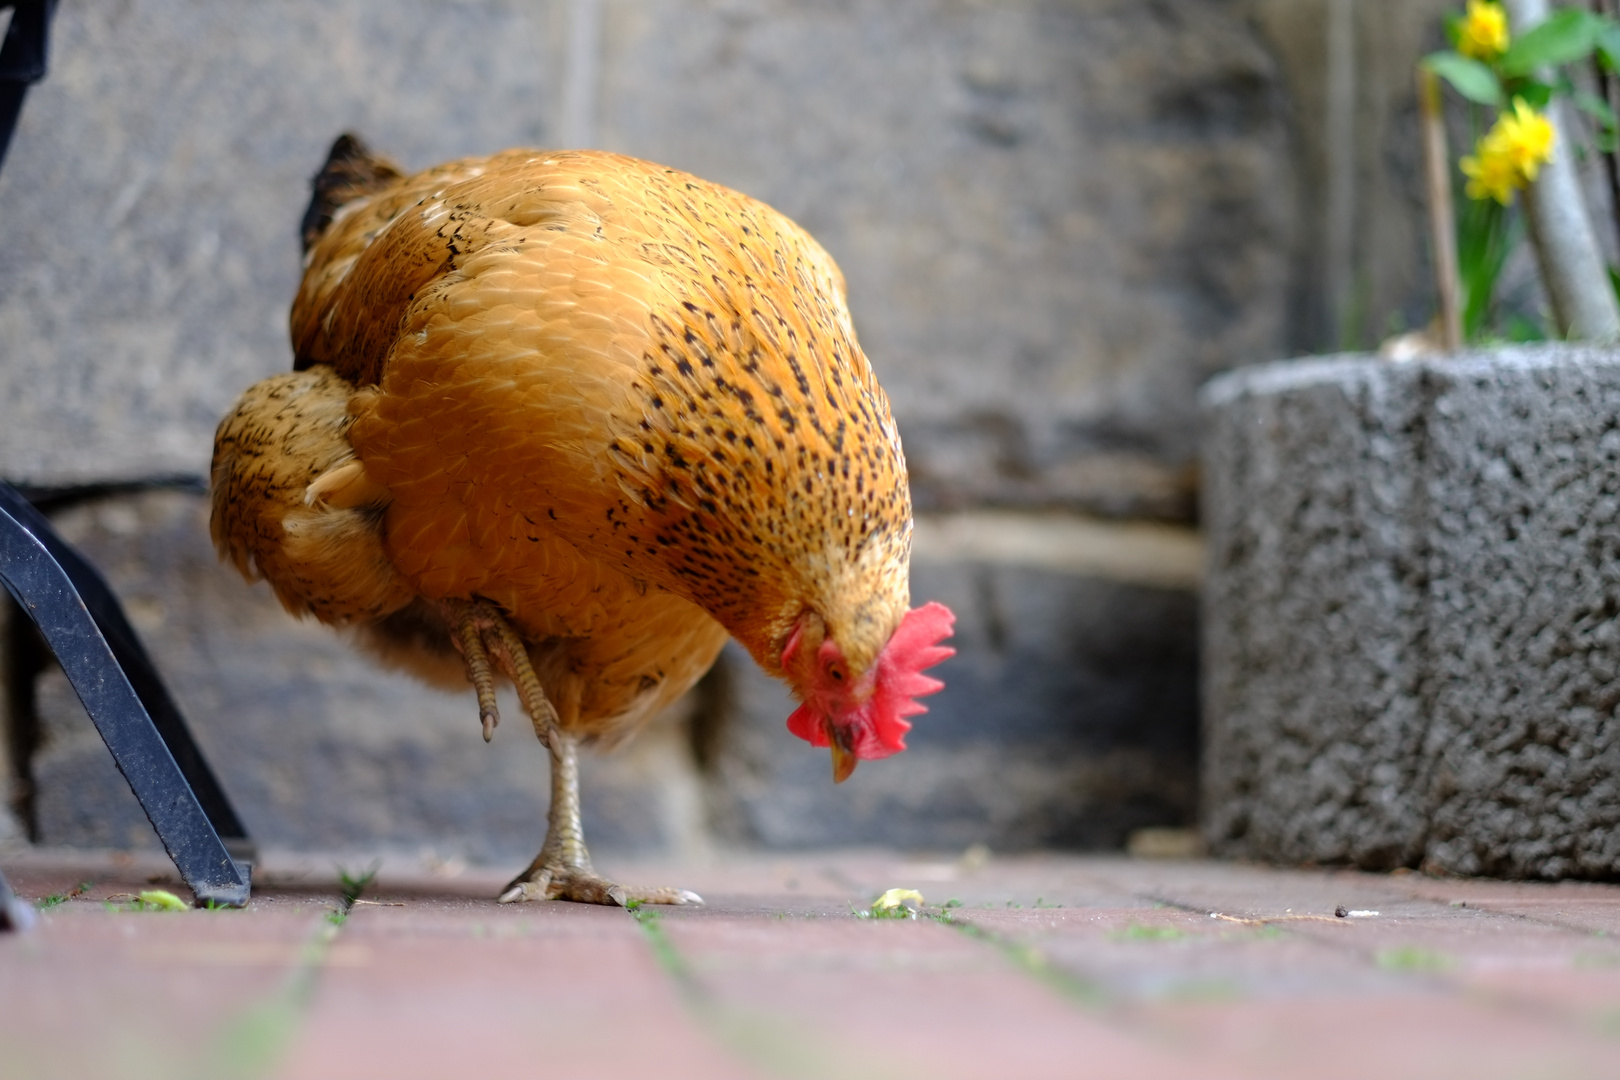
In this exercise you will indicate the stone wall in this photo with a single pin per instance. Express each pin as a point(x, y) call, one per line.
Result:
point(1057, 219)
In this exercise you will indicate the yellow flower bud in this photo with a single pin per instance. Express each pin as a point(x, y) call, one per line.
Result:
point(1483, 32)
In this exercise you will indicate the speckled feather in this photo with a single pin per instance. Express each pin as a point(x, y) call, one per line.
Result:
point(618, 401)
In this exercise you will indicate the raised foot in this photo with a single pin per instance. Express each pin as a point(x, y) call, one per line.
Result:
point(586, 887)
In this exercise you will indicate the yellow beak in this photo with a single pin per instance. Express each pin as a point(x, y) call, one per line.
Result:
point(844, 759)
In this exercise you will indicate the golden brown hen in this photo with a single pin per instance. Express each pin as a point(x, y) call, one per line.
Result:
point(579, 417)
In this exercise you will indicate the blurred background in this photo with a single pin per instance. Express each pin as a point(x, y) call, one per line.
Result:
point(1057, 219)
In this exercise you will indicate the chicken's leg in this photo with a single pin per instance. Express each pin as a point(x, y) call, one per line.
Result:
point(562, 870)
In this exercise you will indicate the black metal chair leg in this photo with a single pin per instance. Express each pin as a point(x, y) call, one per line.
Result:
point(15, 913)
point(85, 627)
point(22, 59)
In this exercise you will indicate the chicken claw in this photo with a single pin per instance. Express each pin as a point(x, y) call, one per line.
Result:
point(562, 870)
point(471, 640)
point(586, 887)
point(482, 634)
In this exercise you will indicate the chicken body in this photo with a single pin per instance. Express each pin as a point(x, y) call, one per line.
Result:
point(582, 416)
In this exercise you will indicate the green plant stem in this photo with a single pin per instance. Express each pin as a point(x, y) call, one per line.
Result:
point(1567, 253)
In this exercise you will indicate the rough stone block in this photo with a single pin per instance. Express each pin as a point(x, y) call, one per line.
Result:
point(1409, 631)
point(1043, 265)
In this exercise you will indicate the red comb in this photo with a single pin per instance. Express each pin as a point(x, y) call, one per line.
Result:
point(878, 727)
point(913, 647)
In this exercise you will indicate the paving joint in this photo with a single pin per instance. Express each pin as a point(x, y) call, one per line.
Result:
point(1033, 962)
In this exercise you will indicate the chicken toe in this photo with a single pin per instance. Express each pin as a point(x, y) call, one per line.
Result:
point(587, 887)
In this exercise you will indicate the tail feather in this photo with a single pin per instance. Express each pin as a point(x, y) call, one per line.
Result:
point(351, 170)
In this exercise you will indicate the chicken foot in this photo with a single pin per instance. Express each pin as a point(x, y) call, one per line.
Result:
point(562, 870)
point(481, 632)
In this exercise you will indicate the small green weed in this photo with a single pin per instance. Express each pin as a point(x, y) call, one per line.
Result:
point(353, 885)
point(1032, 960)
point(45, 903)
point(1144, 932)
point(663, 949)
point(1412, 958)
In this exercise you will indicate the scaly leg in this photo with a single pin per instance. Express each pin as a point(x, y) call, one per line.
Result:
point(562, 870)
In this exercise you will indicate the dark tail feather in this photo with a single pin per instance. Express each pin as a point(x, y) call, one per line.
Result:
point(351, 170)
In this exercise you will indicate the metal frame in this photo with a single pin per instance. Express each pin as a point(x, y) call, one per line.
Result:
point(85, 626)
point(22, 59)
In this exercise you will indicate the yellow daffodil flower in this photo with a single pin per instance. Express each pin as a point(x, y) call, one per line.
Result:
point(1510, 155)
point(1525, 136)
point(1483, 32)
point(1490, 176)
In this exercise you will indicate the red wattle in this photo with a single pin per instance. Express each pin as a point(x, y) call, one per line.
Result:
point(806, 724)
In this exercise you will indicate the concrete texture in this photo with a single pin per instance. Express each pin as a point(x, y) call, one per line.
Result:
point(1069, 720)
point(1042, 266)
point(1043, 967)
point(1410, 643)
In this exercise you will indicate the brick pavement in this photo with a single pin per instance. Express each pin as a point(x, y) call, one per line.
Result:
point(1045, 966)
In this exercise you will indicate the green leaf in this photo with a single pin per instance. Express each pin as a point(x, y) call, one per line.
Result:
point(1569, 34)
point(1608, 44)
point(1594, 106)
point(1470, 78)
point(1522, 330)
point(1537, 95)
point(1487, 233)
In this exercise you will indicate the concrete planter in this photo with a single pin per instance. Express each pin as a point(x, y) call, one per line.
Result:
point(1411, 647)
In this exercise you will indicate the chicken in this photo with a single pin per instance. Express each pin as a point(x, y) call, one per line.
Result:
point(574, 418)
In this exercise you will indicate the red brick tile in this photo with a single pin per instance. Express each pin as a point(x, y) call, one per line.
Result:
point(1134, 954)
point(1587, 997)
point(470, 988)
point(95, 993)
point(1129, 977)
point(1418, 1036)
point(1237, 889)
point(841, 997)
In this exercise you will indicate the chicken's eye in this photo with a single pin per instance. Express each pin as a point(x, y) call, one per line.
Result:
point(835, 671)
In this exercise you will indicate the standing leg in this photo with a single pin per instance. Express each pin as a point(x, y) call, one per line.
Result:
point(562, 870)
